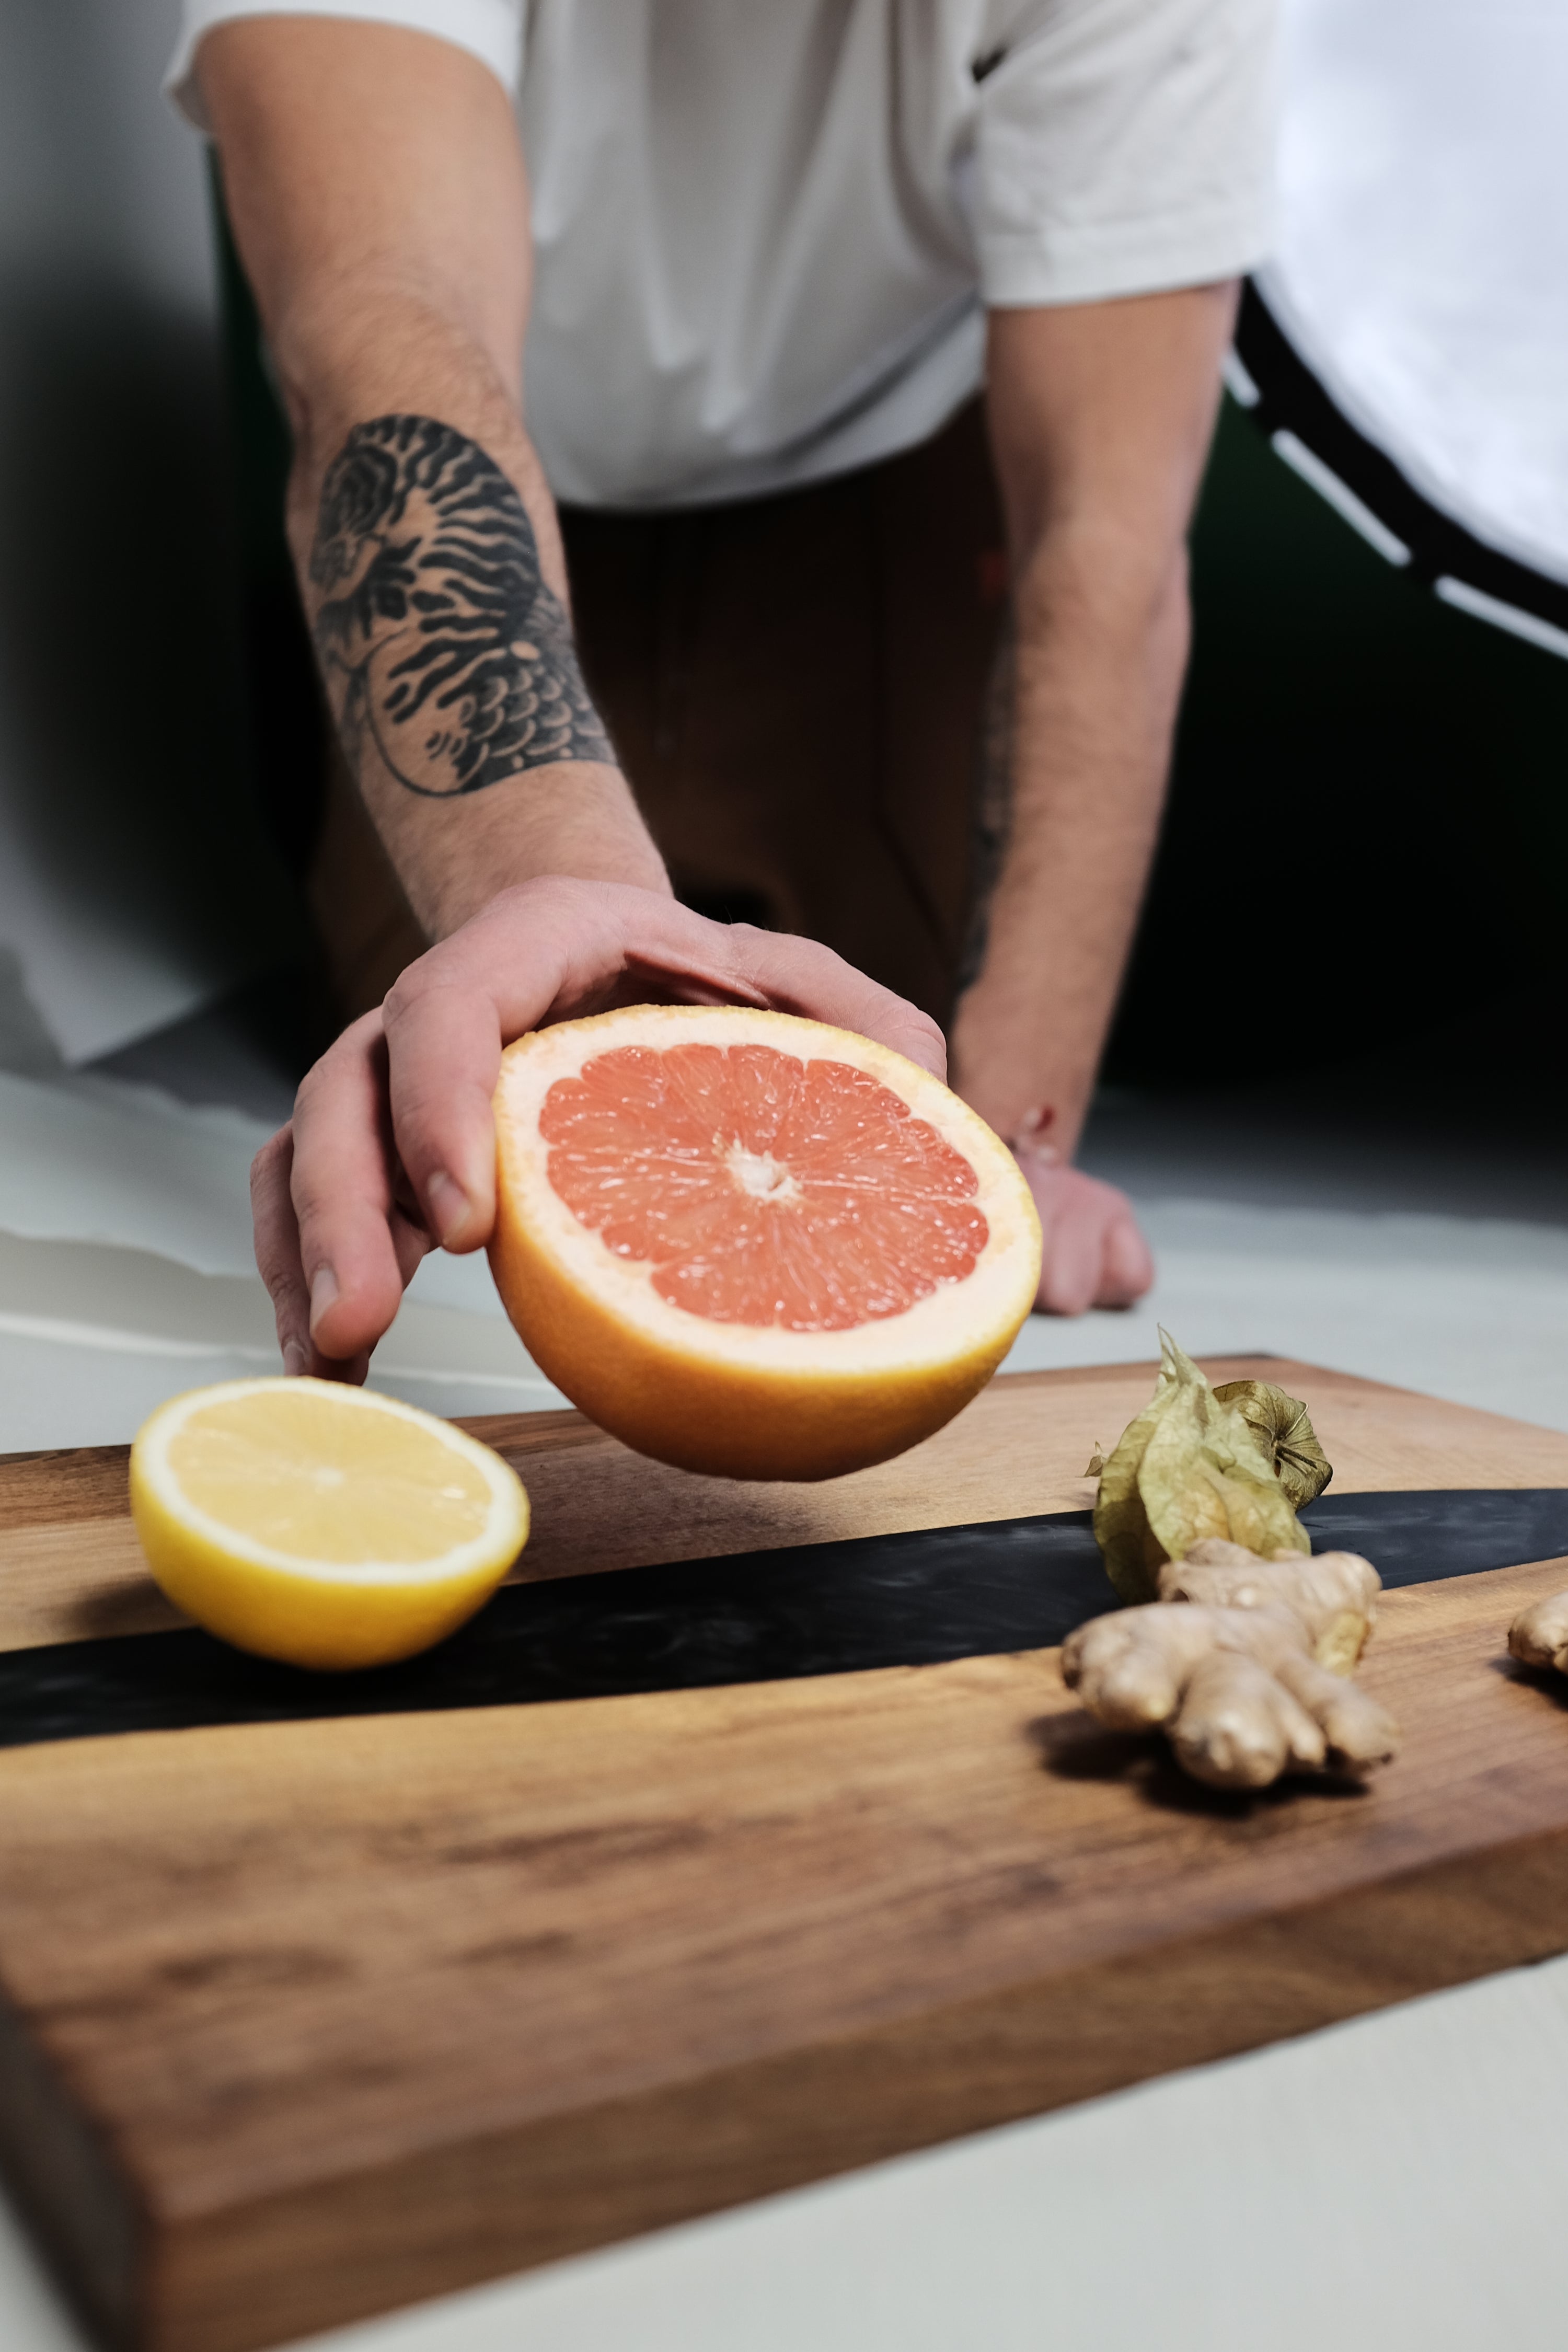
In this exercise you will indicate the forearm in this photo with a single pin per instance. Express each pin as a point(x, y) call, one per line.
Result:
point(1100, 417)
point(379, 201)
point(1078, 750)
point(442, 626)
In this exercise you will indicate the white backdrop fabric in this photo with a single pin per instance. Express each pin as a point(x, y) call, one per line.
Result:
point(1422, 262)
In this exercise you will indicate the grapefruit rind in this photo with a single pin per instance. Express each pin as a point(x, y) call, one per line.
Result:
point(739, 1400)
point(328, 1615)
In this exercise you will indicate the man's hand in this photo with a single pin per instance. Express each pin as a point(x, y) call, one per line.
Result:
point(391, 1150)
point(1094, 1254)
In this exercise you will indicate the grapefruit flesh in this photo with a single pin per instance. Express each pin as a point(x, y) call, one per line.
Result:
point(752, 1245)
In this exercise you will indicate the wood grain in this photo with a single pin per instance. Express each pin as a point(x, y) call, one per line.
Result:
point(307, 2021)
point(70, 1565)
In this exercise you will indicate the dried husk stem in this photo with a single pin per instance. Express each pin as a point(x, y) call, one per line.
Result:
point(1283, 1428)
point(1188, 1470)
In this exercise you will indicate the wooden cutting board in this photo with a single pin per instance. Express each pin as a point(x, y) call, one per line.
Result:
point(303, 2021)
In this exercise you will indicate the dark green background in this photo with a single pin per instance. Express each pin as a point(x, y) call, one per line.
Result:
point(1367, 836)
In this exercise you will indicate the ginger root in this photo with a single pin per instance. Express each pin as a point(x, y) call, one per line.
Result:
point(1539, 1634)
point(1244, 1663)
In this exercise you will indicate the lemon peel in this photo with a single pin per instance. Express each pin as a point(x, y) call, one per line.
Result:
point(325, 1526)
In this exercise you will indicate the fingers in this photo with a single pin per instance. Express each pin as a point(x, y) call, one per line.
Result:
point(404, 1096)
point(1069, 1263)
point(444, 1042)
point(1127, 1266)
point(739, 964)
point(569, 948)
point(278, 1248)
point(545, 951)
point(1093, 1254)
point(555, 949)
point(1070, 1235)
point(797, 975)
point(354, 1241)
point(279, 1264)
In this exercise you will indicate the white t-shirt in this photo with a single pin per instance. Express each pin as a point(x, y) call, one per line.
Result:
point(765, 230)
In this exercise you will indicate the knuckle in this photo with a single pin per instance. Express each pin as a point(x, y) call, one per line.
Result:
point(318, 1082)
point(276, 1245)
point(311, 1195)
point(347, 1051)
point(926, 1042)
point(279, 1272)
point(411, 986)
point(542, 897)
point(454, 972)
point(270, 1164)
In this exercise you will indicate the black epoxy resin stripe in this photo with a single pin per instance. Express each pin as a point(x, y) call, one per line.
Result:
point(911, 1600)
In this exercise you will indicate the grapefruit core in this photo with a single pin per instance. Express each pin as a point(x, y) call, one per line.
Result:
point(750, 1244)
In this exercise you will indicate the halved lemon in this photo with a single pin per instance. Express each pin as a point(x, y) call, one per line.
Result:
point(753, 1245)
point(322, 1524)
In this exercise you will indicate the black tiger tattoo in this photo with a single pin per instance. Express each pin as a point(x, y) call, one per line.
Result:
point(436, 633)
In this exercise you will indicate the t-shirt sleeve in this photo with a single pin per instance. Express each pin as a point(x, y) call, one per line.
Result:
point(1124, 147)
point(491, 29)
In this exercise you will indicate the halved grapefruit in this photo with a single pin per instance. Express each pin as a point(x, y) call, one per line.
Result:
point(752, 1245)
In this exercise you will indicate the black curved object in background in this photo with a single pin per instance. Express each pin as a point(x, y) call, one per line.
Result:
point(1283, 397)
point(912, 1600)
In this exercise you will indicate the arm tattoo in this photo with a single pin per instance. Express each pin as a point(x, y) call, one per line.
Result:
point(992, 823)
point(438, 634)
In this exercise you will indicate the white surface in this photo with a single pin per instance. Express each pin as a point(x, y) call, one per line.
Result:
point(1471, 1308)
point(92, 1159)
point(762, 236)
point(126, 1273)
point(1392, 2186)
point(1422, 249)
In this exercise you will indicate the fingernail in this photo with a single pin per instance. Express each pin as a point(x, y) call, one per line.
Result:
point(295, 1359)
point(323, 1290)
point(448, 1206)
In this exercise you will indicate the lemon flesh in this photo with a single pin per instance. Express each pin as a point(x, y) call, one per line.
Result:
point(322, 1524)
